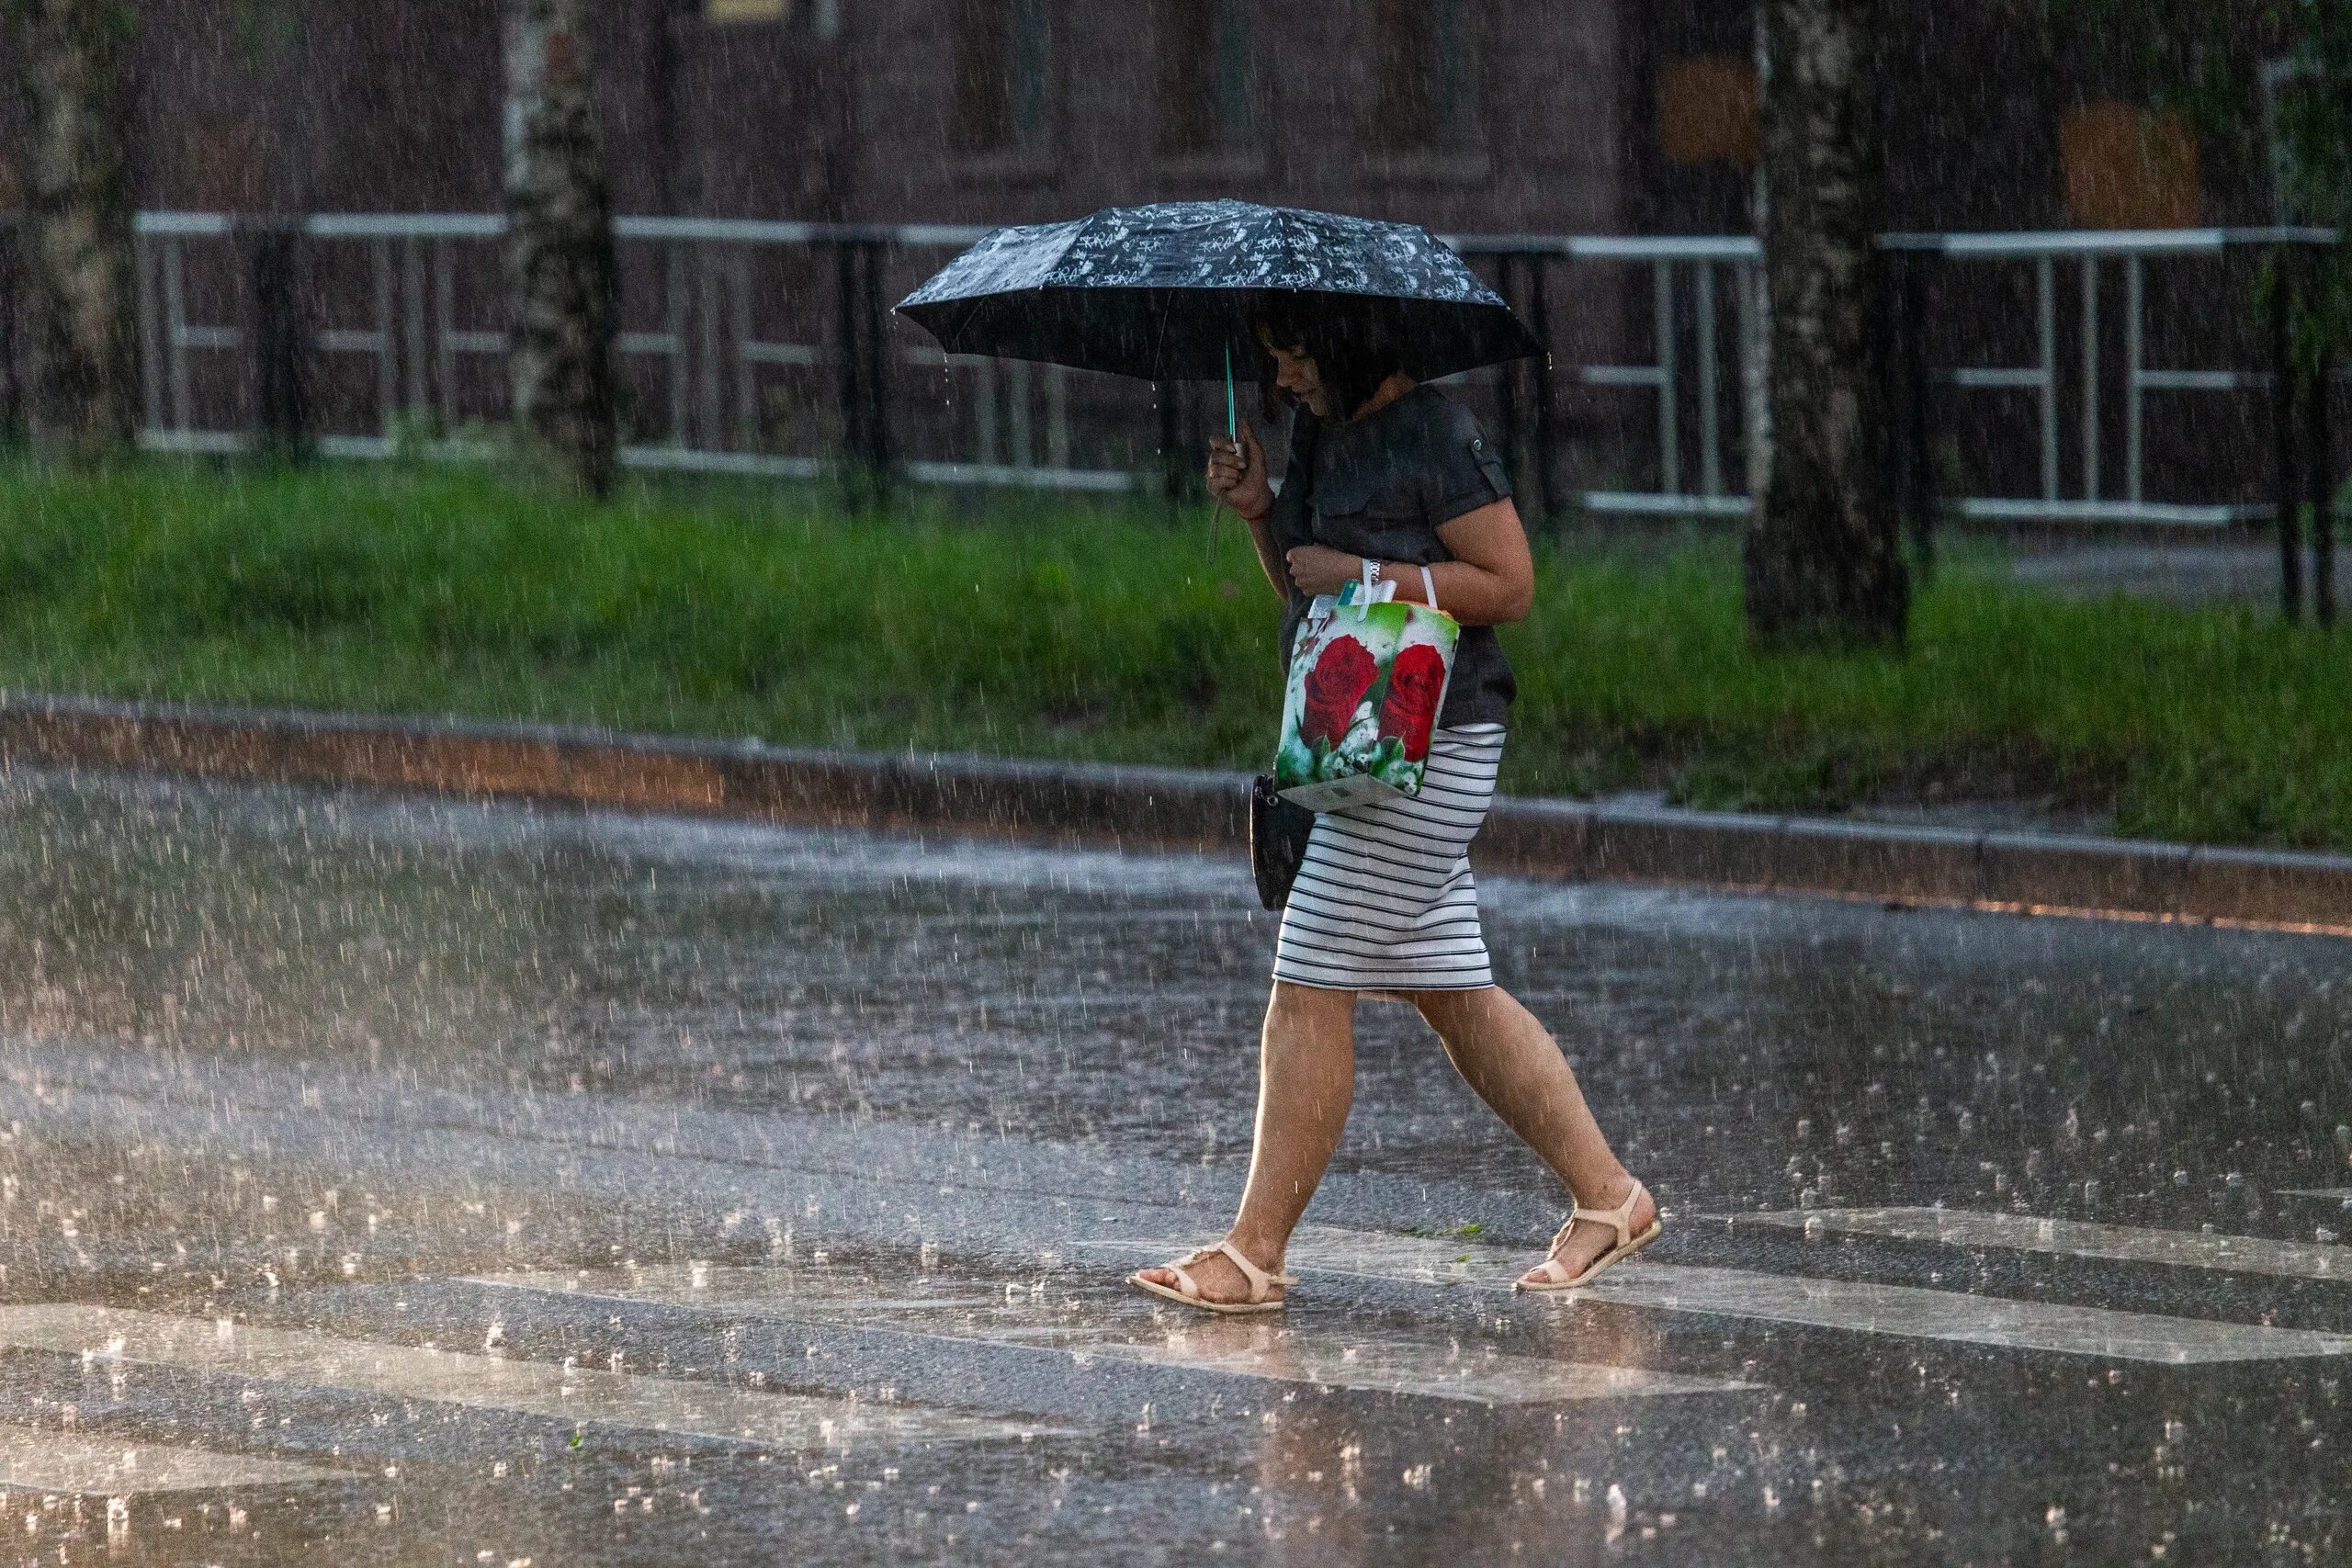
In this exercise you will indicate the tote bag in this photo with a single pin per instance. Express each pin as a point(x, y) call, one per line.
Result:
point(1367, 681)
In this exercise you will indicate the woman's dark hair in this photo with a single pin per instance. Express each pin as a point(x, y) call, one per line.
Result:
point(1353, 352)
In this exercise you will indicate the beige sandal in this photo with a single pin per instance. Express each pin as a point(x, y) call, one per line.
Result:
point(1621, 1220)
point(1188, 1293)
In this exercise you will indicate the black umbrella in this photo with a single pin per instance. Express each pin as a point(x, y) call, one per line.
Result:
point(1167, 292)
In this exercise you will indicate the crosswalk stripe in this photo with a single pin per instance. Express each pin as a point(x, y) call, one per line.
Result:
point(61, 1461)
point(573, 1395)
point(2124, 1244)
point(1856, 1306)
point(1257, 1348)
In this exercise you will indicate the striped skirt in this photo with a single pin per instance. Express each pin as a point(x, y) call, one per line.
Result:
point(1384, 900)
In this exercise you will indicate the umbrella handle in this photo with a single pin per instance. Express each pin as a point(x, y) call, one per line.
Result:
point(1233, 432)
point(1232, 425)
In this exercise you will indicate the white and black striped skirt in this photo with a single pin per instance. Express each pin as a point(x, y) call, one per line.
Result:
point(1384, 900)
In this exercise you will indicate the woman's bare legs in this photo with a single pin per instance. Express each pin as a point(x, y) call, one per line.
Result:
point(1510, 1059)
point(1306, 1079)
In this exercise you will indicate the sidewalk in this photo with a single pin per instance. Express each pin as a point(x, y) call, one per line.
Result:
point(1179, 808)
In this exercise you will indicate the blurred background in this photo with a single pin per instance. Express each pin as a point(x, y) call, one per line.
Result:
point(2092, 317)
point(377, 131)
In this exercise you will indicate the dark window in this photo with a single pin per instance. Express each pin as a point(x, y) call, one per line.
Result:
point(2296, 116)
point(1708, 112)
point(1001, 75)
point(1423, 76)
point(1204, 52)
point(2128, 167)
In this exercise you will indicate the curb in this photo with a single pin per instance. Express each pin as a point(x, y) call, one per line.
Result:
point(1098, 804)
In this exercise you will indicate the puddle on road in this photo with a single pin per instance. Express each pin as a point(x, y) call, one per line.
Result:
point(566, 1393)
point(1856, 1306)
point(1261, 1347)
point(116, 1467)
point(2075, 1238)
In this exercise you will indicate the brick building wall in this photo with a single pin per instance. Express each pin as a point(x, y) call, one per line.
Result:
point(1558, 115)
point(864, 109)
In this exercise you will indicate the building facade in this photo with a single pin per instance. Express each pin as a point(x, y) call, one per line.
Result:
point(1533, 116)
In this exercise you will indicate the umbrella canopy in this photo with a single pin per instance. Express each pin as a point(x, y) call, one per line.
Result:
point(1167, 292)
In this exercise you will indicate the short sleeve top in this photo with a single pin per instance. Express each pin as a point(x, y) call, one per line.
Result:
point(1380, 486)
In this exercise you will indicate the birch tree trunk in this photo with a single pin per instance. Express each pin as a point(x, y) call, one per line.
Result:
point(559, 242)
point(1824, 564)
point(84, 384)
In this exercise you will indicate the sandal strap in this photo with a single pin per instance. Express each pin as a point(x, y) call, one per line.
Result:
point(1184, 1281)
point(1261, 1283)
point(1619, 1219)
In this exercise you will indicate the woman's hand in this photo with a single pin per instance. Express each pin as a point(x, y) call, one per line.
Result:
point(1319, 568)
point(1237, 474)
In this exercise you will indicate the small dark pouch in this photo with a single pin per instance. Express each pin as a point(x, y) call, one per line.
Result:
point(1278, 831)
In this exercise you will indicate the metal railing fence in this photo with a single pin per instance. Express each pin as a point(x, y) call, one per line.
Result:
point(768, 348)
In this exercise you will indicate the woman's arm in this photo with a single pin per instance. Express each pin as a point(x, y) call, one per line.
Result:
point(1237, 478)
point(1490, 582)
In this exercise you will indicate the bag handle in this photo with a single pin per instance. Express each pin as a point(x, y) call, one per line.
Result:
point(1367, 596)
point(1428, 589)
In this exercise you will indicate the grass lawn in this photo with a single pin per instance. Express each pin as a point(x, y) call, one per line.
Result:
point(1042, 626)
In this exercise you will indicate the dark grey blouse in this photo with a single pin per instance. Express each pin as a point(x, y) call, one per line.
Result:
point(1379, 487)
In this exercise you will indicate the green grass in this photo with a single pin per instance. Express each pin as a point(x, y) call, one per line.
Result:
point(1044, 628)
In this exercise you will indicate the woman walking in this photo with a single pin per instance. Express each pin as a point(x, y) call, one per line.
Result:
point(1394, 479)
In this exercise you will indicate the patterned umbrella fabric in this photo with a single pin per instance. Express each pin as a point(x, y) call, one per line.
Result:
point(1165, 291)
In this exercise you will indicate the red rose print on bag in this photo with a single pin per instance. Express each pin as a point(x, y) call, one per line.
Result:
point(1343, 674)
point(1415, 683)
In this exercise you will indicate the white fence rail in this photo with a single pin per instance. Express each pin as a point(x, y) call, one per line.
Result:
point(1678, 343)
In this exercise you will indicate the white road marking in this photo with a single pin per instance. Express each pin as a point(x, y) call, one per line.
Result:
point(1245, 1346)
point(62, 1461)
point(2127, 1243)
point(2340, 1194)
point(1856, 1306)
point(533, 1388)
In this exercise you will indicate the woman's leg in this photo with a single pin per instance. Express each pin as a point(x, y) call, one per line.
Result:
point(1510, 1059)
point(1307, 1075)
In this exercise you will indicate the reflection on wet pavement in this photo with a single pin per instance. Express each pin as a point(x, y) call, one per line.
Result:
point(1368, 1359)
point(559, 1178)
point(2028, 1233)
point(59, 1462)
point(1856, 1307)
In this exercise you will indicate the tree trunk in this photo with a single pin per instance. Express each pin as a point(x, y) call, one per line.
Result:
point(83, 391)
point(1823, 563)
point(559, 242)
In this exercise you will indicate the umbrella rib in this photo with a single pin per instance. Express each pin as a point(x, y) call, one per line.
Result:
point(1159, 346)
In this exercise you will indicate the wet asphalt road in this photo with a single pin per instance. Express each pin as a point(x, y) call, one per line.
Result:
point(399, 1182)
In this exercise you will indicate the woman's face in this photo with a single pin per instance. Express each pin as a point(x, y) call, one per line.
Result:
point(1294, 372)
